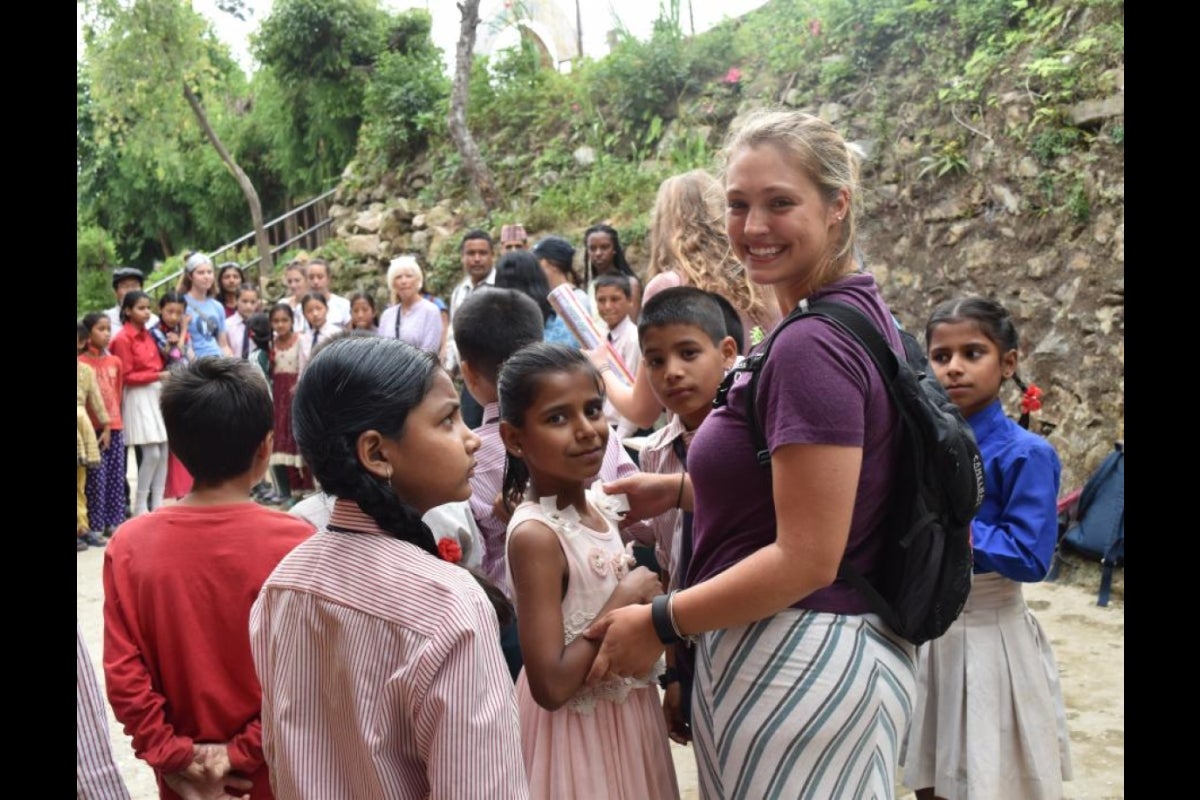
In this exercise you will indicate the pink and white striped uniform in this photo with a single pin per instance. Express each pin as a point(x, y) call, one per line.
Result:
point(96, 773)
point(382, 674)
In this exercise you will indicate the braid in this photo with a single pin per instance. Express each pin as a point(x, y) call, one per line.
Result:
point(516, 479)
point(401, 520)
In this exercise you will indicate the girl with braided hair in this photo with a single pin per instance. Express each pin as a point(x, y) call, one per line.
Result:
point(380, 658)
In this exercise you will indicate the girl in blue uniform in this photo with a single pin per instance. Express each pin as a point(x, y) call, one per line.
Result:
point(989, 720)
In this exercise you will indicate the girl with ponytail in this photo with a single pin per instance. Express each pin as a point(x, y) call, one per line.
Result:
point(380, 659)
point(989, 719)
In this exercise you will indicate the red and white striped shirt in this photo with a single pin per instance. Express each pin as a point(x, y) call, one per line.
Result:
point(382, 673)
point(96, 773)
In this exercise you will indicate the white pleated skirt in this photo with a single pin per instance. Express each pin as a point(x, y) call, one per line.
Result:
point(989, 721)
point(141, 414)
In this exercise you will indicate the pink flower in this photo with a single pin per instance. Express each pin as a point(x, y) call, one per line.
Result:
point(814, 27)
point(598, 560)
point(575, 107)
point(733, 76)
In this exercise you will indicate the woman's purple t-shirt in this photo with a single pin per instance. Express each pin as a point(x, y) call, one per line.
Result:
point(818, 386)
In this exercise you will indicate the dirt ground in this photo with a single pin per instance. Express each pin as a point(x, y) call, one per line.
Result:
point(1088, 641)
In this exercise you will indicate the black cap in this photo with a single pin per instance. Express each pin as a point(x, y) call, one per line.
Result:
point(121, 273)
point(555, 249)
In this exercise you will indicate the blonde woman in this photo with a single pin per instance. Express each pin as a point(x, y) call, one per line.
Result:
point(410, 317)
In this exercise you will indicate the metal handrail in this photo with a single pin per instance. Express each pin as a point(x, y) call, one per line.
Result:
point(247, 237)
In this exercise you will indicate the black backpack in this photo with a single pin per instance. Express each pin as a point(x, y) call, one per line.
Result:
point(924, 572)
point(1096, 529)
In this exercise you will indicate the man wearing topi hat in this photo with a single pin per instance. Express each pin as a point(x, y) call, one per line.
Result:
point(513, 237)
point(124, 281)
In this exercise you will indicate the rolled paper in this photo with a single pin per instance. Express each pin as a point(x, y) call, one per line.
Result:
point(579, 322)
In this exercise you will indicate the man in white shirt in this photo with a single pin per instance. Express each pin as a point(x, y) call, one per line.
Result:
point(318, 281)
point(124, 281)
point(478, 254)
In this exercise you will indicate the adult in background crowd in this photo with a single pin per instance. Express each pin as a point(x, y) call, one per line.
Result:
point(478, 260)
point(410, 318)
point(124, 281)
point(318, 281)
point(513, 237)
point(603, 255)
point(206, 315)
point(556, 257)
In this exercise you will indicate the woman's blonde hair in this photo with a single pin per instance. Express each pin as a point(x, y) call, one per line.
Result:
point(687, 235)
point(398, 263)
point(813, 146)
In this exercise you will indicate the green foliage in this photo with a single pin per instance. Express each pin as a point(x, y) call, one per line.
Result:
point(96, 255)
point(947, 158)
point(1117, 134)
point(1050, 143)
point(1078, 205)
point(321, 40)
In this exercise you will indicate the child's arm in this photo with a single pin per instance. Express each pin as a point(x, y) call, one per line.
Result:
point(539, 568)
point(131, 374)
point(1019, 542)
point(96, 406)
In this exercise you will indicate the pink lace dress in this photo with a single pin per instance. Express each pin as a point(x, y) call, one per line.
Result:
point(609, 741)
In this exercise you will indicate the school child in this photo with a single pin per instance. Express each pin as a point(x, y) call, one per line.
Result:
point(96, 772)
point(603, 255)
point(686, 353)
point(316, 308)
point(105, 489)
point(399, 645)
point(567, 566)
point(258, 331)
point(482, 348)
point(362, 313)
point(614, 301)
point(142, 371)
point(246, 305)
point(89, 406)
point(178, 585)
point(288, 358)
point(171, 333)
point(989, 719)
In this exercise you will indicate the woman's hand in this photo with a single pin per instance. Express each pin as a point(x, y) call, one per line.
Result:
point(104, 438)
point(649, 493)
point(630, 645)
point(640, 585)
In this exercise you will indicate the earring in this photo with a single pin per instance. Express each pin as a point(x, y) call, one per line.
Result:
point(388, 473)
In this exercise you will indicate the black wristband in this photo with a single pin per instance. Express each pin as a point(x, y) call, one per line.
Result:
point(661, 618)
point(670, 675)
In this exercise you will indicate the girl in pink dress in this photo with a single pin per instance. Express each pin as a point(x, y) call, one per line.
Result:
point(567, 566)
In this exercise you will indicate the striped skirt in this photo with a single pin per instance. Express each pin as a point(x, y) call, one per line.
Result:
point(803, 704)
point(989, 720)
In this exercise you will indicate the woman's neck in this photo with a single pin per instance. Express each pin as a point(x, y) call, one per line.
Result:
point(790, 295)
point(408, 303)
point(197, 294)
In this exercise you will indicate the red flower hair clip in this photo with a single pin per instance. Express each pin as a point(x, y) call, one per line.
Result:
point(449, 550)
point(1031, 400)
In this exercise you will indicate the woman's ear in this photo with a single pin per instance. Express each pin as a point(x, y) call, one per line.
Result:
point(511, 436)
point(370, 451)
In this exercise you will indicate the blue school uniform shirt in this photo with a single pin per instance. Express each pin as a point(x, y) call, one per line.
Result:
point(1016, 528)
point(208, 320)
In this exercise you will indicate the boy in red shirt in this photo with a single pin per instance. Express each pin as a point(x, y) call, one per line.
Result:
point(179, 583)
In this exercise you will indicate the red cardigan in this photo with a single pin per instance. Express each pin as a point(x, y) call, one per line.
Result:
point(141, 363)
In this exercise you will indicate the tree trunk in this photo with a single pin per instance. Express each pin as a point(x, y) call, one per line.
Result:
point(476, 169)
point(260, 232)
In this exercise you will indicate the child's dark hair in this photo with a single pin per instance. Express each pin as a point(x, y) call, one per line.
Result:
point(90, 319)
point(284, 307)
point(248, 287)
point(684, 305)
point(519, 269)
point(171, 297)
point(484, 343)
point(619, 281)
point(81, 335)
point(258, 325)
point(517, 387)
point(618, 252)
point(313, 296)
point(733, 323)
point(365, 297)
point(993, 320)
point(130, 300)
point(217, 412)
point(357, 384)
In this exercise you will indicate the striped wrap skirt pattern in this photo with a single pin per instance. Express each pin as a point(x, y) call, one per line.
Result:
point(989, 720)
point(803, 704)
